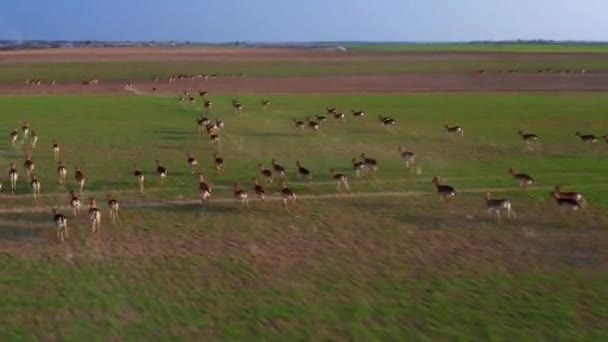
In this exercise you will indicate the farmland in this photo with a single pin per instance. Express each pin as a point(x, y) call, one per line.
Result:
point(388, 262)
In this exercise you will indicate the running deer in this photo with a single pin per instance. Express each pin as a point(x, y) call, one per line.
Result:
point(358, 114)
point(192, 162)
point(139, 176)
point(303, 172)
point(94, 215)
point(454, 130)
point(386, 121)
point(298, 123)
point(75, 203)
point(341, 180)
point(278, 169)
point(79, 177)
point(565, 203)
point(370, 163)
point(312, 124)
point(587, 138)
point(204, 188)
point(359, 167)
point(259, 190)
point(13, 176)
point(287, 194)
point(331, 110)
point(34, 140)
point(577, 196)
point(237, 106)
point(92, 82)
point(62, 225)
point(161, 171)
point(36, 187)
point(241, 195)
point(202, 93)
point(408, 157)
point(113, 206)
point(14, 136)
point(266, 174)
point(498, 205)
point(62, 172)
point(445, 192)
point(219, 162)
point(29, 165)
point(207, 104)
point(55, 150)
point(528, 138)
point(202, 123)
point(320, 118)
point(25, 128)
point(265, 103)
point(339, 116)
point(215, 138)
point(524, 180)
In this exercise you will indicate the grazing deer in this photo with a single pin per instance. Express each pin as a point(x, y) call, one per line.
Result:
point(566, 204)
point(266, 174)
point(299, 124)
point(36, 187)
point(241, 195)
point(29, 165)
point(312, 124)
point(370, 163)
point(408, 157)
point(587, 138)
point(498, 205)
point(34, 140)
point(14, 136)
point(62, 225)
point(445, 192)
point(79, 177)
point(528, 138)
point(287, 194)
point(386, 121)
point(113, 206)
point(524, 180)
point(278, 169)
point(161, 171)
point(204, 188)
point(62, 172)
point(577, 196)
point(259, 190)
point(454, 130)
point(219, 162)
point(75, 203)
point(139, 175)
point(358, 114)
point(341, 180)
point(303, 172)
point(25, 128)
point(359, 167)
point(94, 215)
point(13, 176)
point(55, 150)
point(192, 162)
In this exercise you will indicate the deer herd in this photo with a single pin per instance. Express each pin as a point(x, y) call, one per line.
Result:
point(276, 173)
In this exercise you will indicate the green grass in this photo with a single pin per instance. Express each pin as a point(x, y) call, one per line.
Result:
point(489, 47)
point(74, 72)
point(385, 268)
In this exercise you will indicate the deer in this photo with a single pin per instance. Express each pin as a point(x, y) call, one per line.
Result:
point(265, 103)
point(303, 172)
point(14, 136)
point(320, 118)
point(62, 225)
point(359, 167)
point(266, 174)
point(55, 150)
point(192, 162)
point(370, 163)
point(454, 130)
point(161, 171)
point(566, 204)
point(25, 128)
point(28, 165)
point(445, 192)
point(577, 196)
point(237, 106)
point(241, 195)
point(408, 157)
point(341, 180)
point(139, 176)
point(79, 177)
point(202, 93)
point(331, 110)
point(528, 138)
point(13, 176)
point(358, 114)
point(207, 104)
point(298, 123)
point(587, 138)
point(75, 203)
point(36, 186)
point(113, 206)
point(312, 124)
point(215, 138)
point(204, 188)
point(386, 121)
point(524, 180)
point(498, 205)
point(278, 169)
point(94, 215)
point(219, 162)
point(34, 140)
point(339, 116)
point(259, 190)
point(287, 194)
point(62, 172)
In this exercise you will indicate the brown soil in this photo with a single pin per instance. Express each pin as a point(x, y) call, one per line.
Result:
point(339, 84)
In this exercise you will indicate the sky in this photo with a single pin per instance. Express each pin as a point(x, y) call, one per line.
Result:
point(310, 20)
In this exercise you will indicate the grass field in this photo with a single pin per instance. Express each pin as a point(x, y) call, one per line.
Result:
point(69, 71)
point(395, 266)
point(478, 47)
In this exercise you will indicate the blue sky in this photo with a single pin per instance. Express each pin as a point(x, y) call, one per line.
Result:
point(297, 20)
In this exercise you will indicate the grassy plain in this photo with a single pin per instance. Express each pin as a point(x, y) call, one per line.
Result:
point(392, 266)
point(476, 47)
